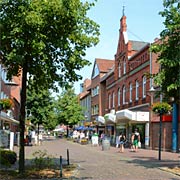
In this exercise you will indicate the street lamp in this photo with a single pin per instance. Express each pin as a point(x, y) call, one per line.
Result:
point(151, 94)
point(160, 132)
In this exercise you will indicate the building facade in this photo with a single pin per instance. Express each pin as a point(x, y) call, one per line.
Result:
point(120, 96)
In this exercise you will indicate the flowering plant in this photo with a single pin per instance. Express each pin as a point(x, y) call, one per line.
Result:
point(163, 107)
point(6, 103)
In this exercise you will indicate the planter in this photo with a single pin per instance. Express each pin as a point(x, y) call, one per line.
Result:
point(84, 143)
point(161, 108)
point(6, 104)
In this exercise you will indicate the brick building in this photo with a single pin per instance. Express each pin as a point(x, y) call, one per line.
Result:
point(120, 97)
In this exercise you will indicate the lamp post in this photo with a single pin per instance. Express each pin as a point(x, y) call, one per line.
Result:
point(160, 132)
point(151, 93)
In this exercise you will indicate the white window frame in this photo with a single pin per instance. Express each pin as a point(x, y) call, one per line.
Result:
point(124, 66)
point(130, 92)
point(124, 95)
point(119, 70)
point(113, 99)
point(137, 90)
point(144, 86)
point(119, 96)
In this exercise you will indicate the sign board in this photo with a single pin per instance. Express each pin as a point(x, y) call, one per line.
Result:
point(4, 138)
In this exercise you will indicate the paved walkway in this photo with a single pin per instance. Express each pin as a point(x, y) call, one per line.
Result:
point(110, 164)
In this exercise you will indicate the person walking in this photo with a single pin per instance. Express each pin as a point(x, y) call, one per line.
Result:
point(136, 140)
point(122, 139)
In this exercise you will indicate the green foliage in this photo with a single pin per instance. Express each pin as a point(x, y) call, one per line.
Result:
point(48, 37)
point(41, 105)
point(7, 157)
point(169, 48)
point(68, 109)
point(163, 108)
point(42, 160)
point(6, 103)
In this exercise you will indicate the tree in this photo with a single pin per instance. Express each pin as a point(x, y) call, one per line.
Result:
point(41, 105)
point(169, 51)
point(46, 39)
point(69, 111)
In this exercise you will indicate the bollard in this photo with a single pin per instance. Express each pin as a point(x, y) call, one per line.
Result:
point(60, 166)
point(68, 156)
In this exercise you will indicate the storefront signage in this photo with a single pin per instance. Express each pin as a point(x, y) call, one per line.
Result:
point(4, 136)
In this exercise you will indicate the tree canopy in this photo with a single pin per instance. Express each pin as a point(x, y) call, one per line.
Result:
point(50, 37)
point(68, 109)
point(169, 51)
point(42, 107)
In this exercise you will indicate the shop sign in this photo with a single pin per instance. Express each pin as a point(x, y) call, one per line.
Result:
point(4, 135)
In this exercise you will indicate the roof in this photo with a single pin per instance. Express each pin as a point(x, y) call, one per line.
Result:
point(104, 65)
point(137, 45)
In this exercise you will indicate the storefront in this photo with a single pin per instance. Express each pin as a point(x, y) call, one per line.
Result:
point(127, 121)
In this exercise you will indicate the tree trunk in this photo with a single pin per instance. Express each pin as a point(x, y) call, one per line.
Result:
point(22, 120)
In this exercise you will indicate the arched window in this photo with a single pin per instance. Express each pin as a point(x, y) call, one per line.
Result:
point(124, 95)
point(119, 97)
point(144, 86)
point(130, 92)
point(137, 90)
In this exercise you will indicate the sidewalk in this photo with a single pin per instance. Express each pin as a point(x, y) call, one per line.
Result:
point(144, 157)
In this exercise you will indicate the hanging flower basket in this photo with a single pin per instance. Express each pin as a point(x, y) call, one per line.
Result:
point(6, 104)
point(162, 108)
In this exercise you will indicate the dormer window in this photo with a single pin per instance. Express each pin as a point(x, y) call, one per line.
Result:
point(95, 71)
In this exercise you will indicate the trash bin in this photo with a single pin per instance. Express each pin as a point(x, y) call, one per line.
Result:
point(105, 144)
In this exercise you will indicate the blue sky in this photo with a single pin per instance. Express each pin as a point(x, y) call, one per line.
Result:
point(143, 24)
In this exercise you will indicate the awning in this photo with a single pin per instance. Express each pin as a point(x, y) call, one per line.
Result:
point(110, 118)
point(5, 117)
point(101, 119)
point(125, 116)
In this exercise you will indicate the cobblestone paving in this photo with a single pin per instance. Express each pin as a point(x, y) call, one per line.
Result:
point(96, 164)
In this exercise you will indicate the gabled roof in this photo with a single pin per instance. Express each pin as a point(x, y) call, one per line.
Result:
point(104, 65)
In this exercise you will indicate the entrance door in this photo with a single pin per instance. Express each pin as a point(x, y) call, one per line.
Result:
point(141, 130)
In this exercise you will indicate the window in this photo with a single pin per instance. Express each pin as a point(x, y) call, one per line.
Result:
point(124, 66)
point(95, 91)
point(124, 95)
point(109, 100)
point(119, 97)
point(95, 71)
point(113, 100)
point(95, 109)
point(144, 86)
point(137, 90)
point(119, 70)
point(130, 92)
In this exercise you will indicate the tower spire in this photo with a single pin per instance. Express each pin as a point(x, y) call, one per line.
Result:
point(123, 11)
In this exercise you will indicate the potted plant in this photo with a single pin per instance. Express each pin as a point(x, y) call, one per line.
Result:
point(161, 107)
point(6, 104)
point(83, 141)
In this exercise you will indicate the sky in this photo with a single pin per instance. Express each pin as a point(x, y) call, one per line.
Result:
point(143, 24)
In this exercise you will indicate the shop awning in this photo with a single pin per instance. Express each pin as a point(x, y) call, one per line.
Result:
point(125, 116)
point(110, 118)
point(101, 119)
point(5, 117)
